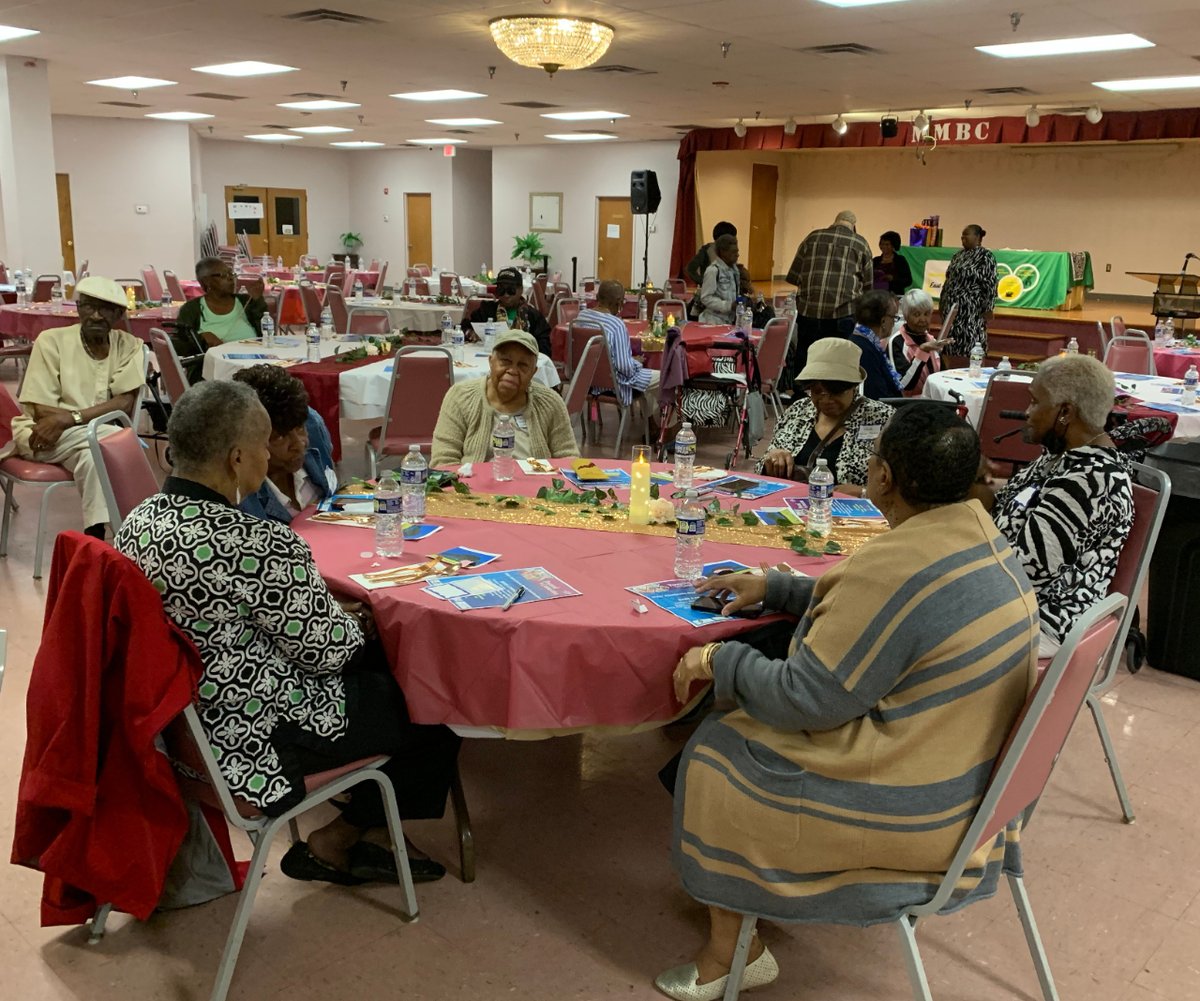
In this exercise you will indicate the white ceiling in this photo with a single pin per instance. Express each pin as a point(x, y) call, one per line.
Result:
point(926, 60)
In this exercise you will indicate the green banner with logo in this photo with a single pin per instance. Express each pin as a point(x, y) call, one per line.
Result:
point(1026, 279)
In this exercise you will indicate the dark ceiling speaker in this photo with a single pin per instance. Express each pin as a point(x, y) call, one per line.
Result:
point(889, 128)
point(644, 196)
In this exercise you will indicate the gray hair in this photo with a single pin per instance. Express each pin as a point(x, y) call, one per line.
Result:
point(1083, 381)
point(915, 298)
point(209, 420)
point(846, 217)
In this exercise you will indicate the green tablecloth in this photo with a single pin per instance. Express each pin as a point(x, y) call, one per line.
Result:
point(1037, 279)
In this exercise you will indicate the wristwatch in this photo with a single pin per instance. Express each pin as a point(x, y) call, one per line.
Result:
point(77, 417)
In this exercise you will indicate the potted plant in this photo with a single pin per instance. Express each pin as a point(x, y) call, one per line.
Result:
point(350, 243)
point(529, 248)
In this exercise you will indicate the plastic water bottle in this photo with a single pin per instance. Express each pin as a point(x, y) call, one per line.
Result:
point(312, 334)
point(326, 322)
point(489, 336)
point(19, 285)
point(410, 287)
point(1073, 346)
point(976, 366)
point(1005, 365)
point(267, 330)
point(164, 300)
point(1169, 330)
point(458, 345)
point(56, 294)
point(414, 471)
point(279, 262)
point(483, 270)
point(1160, 332)
point(504, 443)
point(358, 288)
point(689, 538)
point(685, 457)
point(447, 330)
point(1191, 382)
point(643, 308)
point(820, 499)
point(455, 287)
point(389, 517)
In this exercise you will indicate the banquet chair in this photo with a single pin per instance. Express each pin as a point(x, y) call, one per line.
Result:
point(422, 270)
point(629, 309)
point(446, 281)
point(331, 270)
point(174, 287)
point(348, 281)
point(374, 264)
point(170, 366)
point(579, 332)
point(29, 473)
point(18, 353)
point(1131, 352)
point(310, 263)
point(154, 289)
point(602, 391)
point(588, 286)
point(380, 290)
point(1016, 783)
point(4, 274)
point(337, 307)
point(126, 477)
point(138, 286)
point(1116, 326)
point(672, 306)
point(676, 288)
point(565, 309)
point(421, 377)
point(43, 286)
point(311, 298)
point(475, 301)
point(369, 321)
point(413, 272)
point(1102, 337)
point(576, 396)
point(772, 355)
point(420, 286)
point(1005, 391)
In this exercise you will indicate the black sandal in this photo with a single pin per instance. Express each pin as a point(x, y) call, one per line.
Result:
point(300, 863)
point(376, 864)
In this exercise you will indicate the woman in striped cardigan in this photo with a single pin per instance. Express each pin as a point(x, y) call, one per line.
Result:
point(840, 785)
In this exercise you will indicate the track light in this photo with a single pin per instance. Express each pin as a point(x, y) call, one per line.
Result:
point(739, 129)
point(789, 127)
point(921, 123)
point(1032, 116)
point(1093, 114)
point(840, 126)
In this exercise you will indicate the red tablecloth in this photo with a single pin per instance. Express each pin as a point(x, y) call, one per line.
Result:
point(29, 321)
point(1174, 362)
point(566, 663)
point(191, 288)
point(320, 379)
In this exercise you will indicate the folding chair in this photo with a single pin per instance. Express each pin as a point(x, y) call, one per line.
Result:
point(1017, 781)
point(446, 282)
point(369, 321)
point(1006, 391)
point(603, 388)
point(1131, 352)
point(565, 309)
point(174, 287)
point(379, 282)
point(421, 377)
point(671, 307)
point(154, 289)
point(422, 270)
point(337, 307)
point(576, 396)
point(772, 356)
point(138, 286)
point(43, 287)
point(311, 299)
point(1103, 337)
point(126, 477)
point(676, 288)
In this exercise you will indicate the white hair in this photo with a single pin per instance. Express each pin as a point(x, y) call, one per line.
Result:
point(847, 217)
point(915, 298)
point(1083, 381)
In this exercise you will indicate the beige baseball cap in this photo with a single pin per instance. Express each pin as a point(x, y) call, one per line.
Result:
point(104, 289)
point(833, 359)
point(522, 337)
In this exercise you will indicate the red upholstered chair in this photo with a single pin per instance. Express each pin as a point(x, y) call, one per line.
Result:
point(312, 301)
point(421, 286)
point(337, 306)
point(566, 308)
point(671, 307)
point(379, 282)
point(348, 284)
point(374, 264)
point(1006, 391)
point(1132, 352)
point(576, 397)
point(413, 272)
point(629, 309)
point(421, 377)
point(446, 282)
point(331, 270)
point(372, 321)
point(43, 285)
point(602, 393)
point(677, 287)
point(772, 353)
point(154, 289)
point(169, 365)
point(28, 473)
point(422, 270)
point(174, 287)
point(126, 476)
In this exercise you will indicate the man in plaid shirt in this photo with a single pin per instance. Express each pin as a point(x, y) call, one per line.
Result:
point(831, 269)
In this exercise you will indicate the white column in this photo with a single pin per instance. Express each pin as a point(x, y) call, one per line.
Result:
point(28, 195)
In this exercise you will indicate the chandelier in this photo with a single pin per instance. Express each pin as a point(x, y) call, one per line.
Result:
point(551, 42)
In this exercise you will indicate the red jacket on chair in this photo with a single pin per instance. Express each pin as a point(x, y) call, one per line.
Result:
point(98, 809)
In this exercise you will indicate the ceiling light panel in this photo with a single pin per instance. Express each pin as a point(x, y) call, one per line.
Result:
point(8, 33)
point(179, 116)
point(248, 67)
point(1066, 46)
point(580, 137)
point(857, 3)
point(460, 122)
point(584, 116)
point(439, 95)
point(274, 137)
point(324, 104)
point(132, 82)
point(357, 144)
point(443, 141)
point(1151, 83)
point(318, 130)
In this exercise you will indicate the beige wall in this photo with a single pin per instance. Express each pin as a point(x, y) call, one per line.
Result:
point(1132, 205)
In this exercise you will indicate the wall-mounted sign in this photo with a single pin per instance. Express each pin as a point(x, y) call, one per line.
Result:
point(245, 210)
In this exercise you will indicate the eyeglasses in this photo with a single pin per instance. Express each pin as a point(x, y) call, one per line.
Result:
point(87, 305)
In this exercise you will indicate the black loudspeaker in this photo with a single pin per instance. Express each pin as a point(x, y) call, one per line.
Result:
point(889, 128)
point(644, 196)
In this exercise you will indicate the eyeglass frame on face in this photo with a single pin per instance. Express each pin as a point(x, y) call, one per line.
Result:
point(808, 387)
point(101, 307)
point(889, 319)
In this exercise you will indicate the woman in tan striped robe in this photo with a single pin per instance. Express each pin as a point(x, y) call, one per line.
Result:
point(840, 786)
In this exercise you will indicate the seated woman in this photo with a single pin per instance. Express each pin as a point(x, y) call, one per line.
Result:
point(289, 688)
point(1067, 514)
point(470, 409)
point(220, 316)
point(915, 352)
point(300, 470)
point(874, 314)
point(832, 421)
point(510, 307)
point(844, 778)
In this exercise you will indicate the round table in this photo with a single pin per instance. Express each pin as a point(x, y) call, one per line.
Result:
point(27, 321)
point(1174, 362)
point(547, 667)
point(415, 315)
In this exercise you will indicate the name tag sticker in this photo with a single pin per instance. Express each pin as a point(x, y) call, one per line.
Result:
point(869, 432)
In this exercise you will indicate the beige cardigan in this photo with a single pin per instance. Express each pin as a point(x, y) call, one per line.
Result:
point(464, 426)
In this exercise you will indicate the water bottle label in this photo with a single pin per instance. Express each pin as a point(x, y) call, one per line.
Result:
point(388, 505)
point(500, 442)
point(413, 477)
point(820, 491)
point(689, 526)
point(685, 449)
point(459, 338)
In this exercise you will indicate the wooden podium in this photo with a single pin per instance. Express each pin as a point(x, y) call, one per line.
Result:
point(1176, 295)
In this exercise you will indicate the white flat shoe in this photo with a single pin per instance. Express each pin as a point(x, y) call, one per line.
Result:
point(681, 983)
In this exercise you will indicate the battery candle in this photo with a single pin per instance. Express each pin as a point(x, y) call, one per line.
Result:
point(639, 489)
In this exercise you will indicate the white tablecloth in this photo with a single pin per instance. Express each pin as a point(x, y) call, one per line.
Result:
point(416, 316)
point(1153, 390)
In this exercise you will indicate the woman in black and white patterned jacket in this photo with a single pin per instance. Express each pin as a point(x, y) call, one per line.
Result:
point(1068, 514)
point(289, 685)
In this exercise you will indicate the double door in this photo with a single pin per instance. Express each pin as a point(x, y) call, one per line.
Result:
point(274, 220)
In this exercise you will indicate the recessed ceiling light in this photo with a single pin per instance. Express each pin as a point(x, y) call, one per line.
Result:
point(584, 116)
point(179, 116)
point(322, 105)
point(438, 95)
point(1151, 83)
point(436, 142)
point(357, 144)
point(1066, 46)
point(248, 67)
point(274, 137)
point(580, 137)
point(856, 3)
point(463, 121)
point(7, 33)
point(319, 130)
point(132, 82)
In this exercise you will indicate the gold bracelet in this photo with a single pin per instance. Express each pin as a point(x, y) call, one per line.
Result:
point(706, 657)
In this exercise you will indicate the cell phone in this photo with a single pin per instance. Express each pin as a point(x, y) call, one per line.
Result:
point(714, 605)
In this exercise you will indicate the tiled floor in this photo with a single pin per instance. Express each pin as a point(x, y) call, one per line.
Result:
point(576, 898)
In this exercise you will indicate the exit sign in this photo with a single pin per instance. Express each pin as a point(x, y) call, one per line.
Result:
point(448, 150)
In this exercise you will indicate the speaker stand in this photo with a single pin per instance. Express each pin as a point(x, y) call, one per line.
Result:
point(646, 253)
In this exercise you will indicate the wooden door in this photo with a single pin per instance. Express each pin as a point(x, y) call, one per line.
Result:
point(418, 227)
point(287, 224)
point(255, 227)
point(763, 187)
point(614, 239)
point(66, 227)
